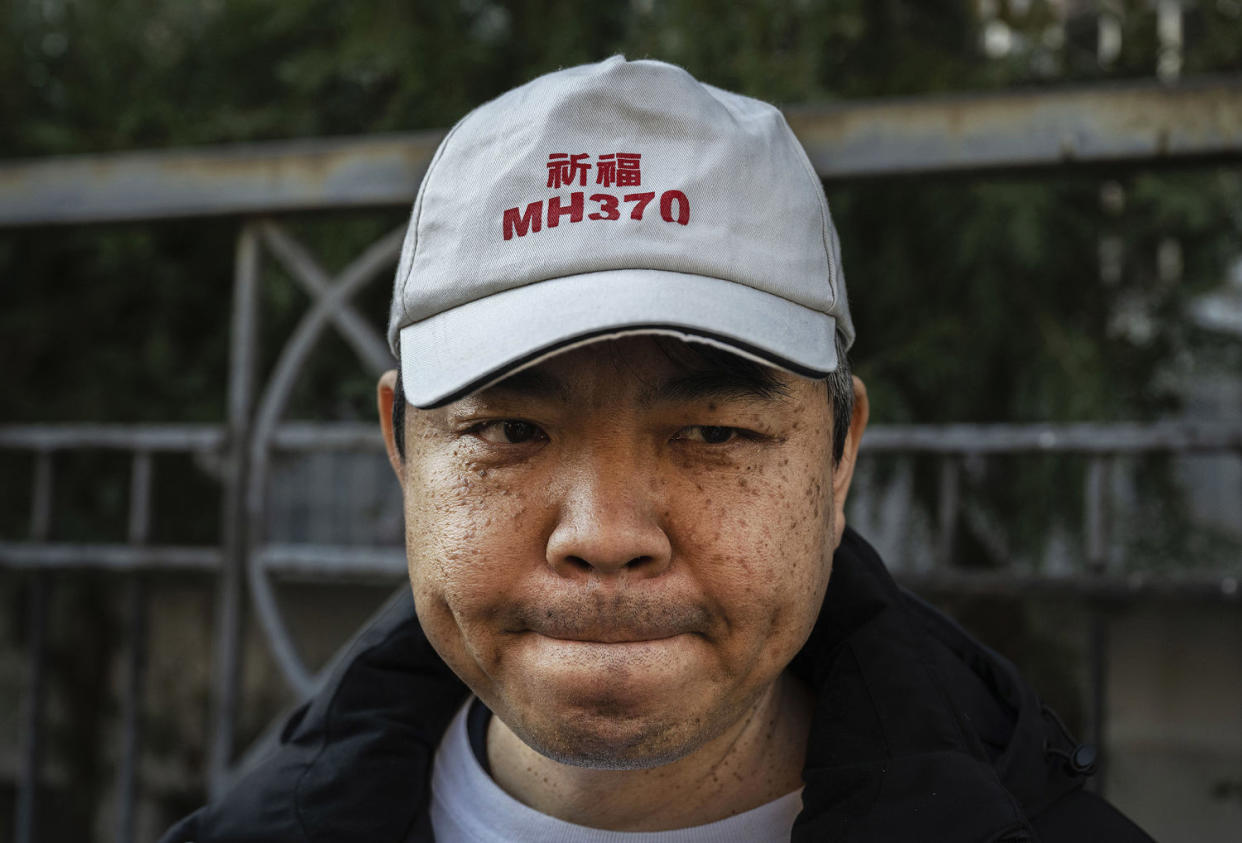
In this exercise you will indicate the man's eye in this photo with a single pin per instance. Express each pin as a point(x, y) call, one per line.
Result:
point(508, 432)
point(708, 434)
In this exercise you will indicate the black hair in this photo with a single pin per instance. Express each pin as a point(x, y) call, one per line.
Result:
point(840, 385)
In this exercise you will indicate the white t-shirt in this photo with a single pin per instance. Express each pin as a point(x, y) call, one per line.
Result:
point(468, 807)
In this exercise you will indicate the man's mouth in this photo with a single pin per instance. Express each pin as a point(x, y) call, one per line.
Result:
point(617, 623)
point(612, 636)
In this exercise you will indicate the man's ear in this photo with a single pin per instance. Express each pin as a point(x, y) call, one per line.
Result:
point(386, 394)
point(843, 471)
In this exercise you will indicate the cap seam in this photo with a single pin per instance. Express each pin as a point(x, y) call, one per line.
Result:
point(824, 217)
point(418, 209)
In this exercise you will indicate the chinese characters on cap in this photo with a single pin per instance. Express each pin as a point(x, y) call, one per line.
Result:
point(612, 169)
point(622, 169)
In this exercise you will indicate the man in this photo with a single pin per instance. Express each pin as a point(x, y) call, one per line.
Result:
point(625, 430)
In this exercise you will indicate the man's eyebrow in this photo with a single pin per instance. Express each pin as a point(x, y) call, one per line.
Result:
point(718, 385)
point(528, 383)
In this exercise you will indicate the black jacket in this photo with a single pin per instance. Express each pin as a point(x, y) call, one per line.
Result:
point(920, 734)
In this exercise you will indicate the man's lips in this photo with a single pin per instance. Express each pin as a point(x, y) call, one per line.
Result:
point(612, 636)
point(615, 622)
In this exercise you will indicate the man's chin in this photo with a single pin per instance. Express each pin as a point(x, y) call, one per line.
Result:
point(606, 742)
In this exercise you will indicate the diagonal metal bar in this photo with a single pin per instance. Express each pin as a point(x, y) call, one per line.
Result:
point(362, 337)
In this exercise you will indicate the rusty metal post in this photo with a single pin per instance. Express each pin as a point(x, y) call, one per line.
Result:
point(32, 716)
point(136, 601)
point(226, 663)
point(1096, 513)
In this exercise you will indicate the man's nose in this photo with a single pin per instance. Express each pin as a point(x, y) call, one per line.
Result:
point(609, 523)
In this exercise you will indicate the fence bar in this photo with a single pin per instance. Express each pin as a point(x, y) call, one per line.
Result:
point(41, 498)
point(1110, 123)
point(948, 503)
point(961, 439)
point(1128, 122)
point(136, 671)
point(109, 557)
point(1085, 437)
point(341, 436)
point(32, 716)
point(316, 561)
point(119, 437)
point(1096, 512)
point(320, 563)
point(136, 602)
point(140, 498)
point(226, 675)
point(1108, 589)
point(1096, 517)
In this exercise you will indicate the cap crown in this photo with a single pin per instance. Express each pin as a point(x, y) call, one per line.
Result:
point(612, 166)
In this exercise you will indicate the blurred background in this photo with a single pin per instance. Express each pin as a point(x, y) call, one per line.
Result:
point(1040, 208)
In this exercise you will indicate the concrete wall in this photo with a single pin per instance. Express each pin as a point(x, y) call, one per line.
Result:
point(1175, 721)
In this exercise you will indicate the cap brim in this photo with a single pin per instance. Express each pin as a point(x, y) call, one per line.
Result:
point(452, 354)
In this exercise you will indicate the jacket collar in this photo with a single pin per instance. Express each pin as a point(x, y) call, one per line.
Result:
point(890, 756)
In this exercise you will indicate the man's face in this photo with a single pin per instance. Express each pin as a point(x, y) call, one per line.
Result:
point(620, 553)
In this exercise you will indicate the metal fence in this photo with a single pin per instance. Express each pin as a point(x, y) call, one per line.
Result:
point(1137, 124)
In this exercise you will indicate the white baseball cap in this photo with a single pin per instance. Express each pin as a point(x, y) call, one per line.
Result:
point(613, 199)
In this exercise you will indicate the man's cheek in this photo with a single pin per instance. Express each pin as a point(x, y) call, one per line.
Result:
point(452, 510)
point(455, 596)
point(458, 569)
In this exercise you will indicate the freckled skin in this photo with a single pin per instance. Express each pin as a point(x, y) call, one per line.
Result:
point(624, 595)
